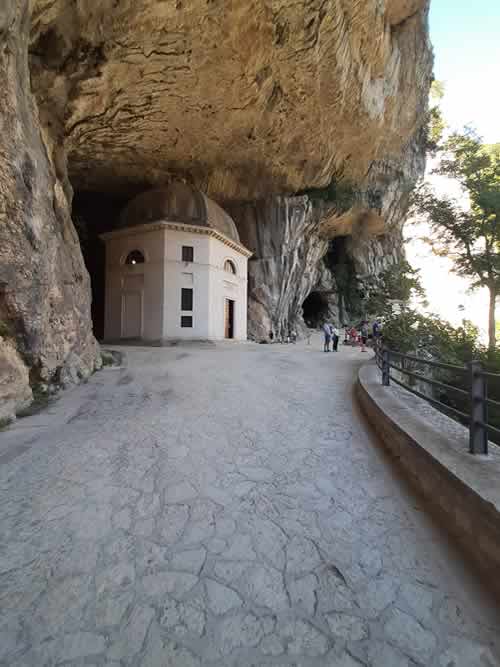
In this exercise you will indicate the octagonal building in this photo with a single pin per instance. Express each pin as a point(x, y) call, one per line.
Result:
point(175, 269)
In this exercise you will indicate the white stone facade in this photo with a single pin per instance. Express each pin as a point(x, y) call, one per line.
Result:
point(144, 299)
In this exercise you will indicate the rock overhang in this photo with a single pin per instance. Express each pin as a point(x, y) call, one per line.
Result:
point(243, 102)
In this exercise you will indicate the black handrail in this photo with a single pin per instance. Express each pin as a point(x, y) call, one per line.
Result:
point(477, 418)
point(419, 376)
point(489, 427)
point(492, 402)
point(434, 401)
point(488, 374)
point(428, 362)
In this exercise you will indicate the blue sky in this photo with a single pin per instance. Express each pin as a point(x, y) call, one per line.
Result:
point(466, 39)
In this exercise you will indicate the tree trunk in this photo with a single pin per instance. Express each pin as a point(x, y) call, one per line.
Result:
point(491, 320)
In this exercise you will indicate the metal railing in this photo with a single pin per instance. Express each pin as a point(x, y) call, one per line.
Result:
point(476, 394)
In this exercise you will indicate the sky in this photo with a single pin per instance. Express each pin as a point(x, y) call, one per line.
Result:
point(466, 39)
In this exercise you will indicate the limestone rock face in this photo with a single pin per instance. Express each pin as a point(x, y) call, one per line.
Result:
point(398, 11)
point(15, 390)
point(246, 98)
point(284, 235)
point(290, 260)
point(44, 286)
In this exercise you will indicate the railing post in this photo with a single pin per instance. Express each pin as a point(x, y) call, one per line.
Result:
point(478, 434)
point(385, 367)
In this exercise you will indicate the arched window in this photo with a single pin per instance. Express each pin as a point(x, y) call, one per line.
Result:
point(229, 267)
point(135, 257)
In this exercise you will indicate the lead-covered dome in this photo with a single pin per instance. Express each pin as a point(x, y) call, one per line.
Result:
point(178, 202)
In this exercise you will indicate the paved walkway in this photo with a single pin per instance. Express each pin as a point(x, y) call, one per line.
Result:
point(224, 506)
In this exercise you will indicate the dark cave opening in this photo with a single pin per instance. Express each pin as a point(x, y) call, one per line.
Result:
point(337, 252)
point(315, 309)
point(94, 213)
point(339, 261)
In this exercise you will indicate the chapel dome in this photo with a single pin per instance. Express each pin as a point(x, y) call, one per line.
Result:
point(178, 202)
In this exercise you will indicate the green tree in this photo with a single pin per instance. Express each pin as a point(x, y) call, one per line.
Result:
point(435, 122)
point(412, 332)
point(469, 235)
point(399, 283)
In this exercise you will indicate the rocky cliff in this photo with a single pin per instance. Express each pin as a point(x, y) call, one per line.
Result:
point(328, 243)
point(260, 104)
point(44, 286)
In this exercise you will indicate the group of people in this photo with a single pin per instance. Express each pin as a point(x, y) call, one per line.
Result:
point(357, 336)
point(331, 335)
point(352, 335)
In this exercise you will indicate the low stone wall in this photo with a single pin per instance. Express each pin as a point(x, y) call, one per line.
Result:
point(463, 489)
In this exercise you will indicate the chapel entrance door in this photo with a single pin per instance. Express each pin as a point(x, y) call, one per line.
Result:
point(132, 315)
point(229, 318)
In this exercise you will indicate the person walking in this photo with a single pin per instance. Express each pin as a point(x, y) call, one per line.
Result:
point(327, 332)
point(335, 338)
point(364, 336)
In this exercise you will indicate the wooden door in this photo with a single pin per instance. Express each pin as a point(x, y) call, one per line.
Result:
point(229, 318)
point(132, 315)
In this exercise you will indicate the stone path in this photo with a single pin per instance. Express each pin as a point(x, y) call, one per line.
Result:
point(224, 506)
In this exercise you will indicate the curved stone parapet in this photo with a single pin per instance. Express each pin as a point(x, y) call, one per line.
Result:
point(432, 449)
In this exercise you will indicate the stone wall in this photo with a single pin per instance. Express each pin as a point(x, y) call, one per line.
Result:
point(44, 286)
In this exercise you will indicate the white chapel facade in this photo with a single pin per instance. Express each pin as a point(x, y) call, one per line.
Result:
point(175, 269)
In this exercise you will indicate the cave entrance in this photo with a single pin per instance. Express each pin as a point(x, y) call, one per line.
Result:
point(93, 214)
point(337, 251)
point(315, 309)
point(341, 265)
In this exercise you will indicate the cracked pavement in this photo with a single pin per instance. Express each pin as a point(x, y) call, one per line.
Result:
point(224, 506)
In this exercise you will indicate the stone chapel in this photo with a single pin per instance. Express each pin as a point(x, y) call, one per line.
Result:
point(175, 269)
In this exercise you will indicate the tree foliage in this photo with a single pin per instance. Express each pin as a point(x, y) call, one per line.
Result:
point(400, 284)
point(435, 125)
point(413, 332)
point(470, 236)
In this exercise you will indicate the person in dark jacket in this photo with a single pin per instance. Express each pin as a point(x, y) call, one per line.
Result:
point(335, 338)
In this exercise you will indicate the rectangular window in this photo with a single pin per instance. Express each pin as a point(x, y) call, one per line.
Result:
point(186, 298)
point(187, 253)
point(187, 321)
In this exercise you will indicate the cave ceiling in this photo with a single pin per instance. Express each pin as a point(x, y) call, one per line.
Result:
point(243, 98)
